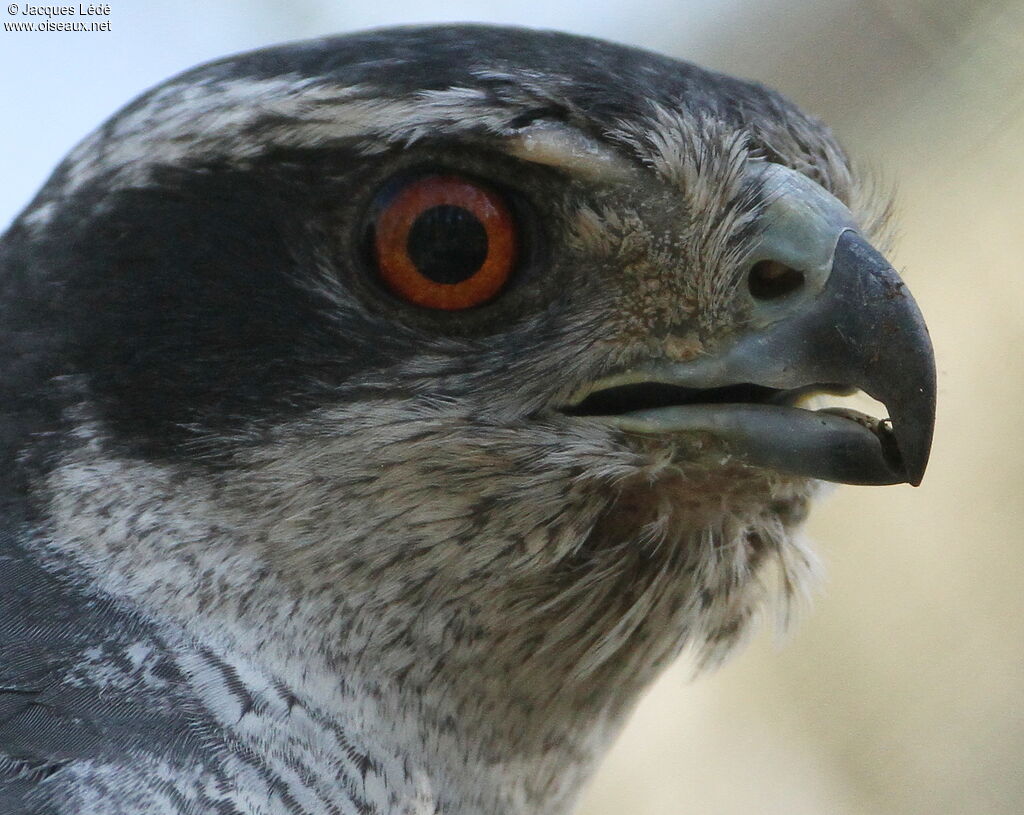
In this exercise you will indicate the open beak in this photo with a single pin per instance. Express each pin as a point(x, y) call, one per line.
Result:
point(858, 329)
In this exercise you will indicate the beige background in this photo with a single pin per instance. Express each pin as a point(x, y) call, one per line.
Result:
point(902, 692)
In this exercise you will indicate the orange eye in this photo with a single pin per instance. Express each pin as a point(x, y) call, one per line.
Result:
point(445, 242)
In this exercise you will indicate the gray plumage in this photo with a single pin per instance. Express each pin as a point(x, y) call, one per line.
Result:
point(275, 541)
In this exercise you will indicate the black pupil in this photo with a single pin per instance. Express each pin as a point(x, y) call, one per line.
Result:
point(447, 244)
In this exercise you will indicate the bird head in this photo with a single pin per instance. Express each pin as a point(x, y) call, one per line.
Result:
point(464, 357)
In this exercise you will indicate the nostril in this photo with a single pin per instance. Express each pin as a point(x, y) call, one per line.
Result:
point(770, 280)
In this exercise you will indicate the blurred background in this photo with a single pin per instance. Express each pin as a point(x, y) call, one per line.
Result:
point(902, 692)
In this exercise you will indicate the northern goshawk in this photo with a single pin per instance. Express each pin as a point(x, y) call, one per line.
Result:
point(380, 415)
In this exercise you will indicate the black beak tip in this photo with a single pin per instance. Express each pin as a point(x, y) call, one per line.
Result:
point(884, 332)
point(907, 443)
point(915, 478)
point(917, 465)
point(917, 460)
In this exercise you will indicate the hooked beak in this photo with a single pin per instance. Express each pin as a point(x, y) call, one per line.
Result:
point(858, 328)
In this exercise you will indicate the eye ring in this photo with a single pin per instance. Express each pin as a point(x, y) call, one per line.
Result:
point(445, 242)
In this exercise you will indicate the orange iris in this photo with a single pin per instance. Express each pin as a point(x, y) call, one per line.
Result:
point(445, 242)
